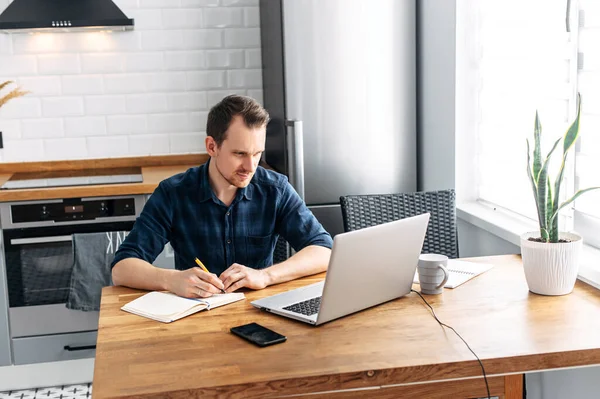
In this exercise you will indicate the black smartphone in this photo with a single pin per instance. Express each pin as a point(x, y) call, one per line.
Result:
point(258, 334)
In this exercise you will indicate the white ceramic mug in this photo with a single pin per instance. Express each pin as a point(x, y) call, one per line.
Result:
point(432, 273)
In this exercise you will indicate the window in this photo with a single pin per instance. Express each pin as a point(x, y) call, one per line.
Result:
point(521, 58)
point(587, 167)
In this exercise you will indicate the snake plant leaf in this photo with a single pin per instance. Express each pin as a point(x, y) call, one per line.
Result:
point(573, 198)
point(544, 234)
point(573, 132)
point(549, 202)
point(569, 139)
point(537, 149)
point(534, 186)
point(547, 160)
point(541, 196)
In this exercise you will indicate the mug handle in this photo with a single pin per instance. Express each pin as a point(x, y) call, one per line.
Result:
point(446, 275)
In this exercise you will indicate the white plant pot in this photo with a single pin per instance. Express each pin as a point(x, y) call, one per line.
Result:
point(551, 268)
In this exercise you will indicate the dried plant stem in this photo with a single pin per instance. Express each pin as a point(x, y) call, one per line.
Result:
point(4, 84)
point(13, 94)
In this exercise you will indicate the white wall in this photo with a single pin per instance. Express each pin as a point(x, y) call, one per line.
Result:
point(142, 92)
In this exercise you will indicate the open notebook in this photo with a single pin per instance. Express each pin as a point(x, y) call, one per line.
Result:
point(461, 271)
point(167, 307)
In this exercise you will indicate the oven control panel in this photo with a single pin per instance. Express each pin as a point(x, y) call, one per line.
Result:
point(73, 209)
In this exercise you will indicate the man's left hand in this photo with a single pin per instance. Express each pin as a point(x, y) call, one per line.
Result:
point(238, 276)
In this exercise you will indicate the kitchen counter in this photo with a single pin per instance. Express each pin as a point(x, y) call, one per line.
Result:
point(153, 169)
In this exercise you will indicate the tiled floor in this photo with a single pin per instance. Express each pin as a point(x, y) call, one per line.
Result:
point(61, 392)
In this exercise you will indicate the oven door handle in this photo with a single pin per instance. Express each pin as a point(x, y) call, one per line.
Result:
point(79, 348)
point(39, 240)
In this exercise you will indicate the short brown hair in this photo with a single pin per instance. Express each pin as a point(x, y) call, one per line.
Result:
point(220, 115)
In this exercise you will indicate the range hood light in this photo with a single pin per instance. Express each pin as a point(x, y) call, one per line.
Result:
point(63, 16)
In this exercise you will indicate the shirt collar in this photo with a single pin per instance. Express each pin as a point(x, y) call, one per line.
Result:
point(207, 193)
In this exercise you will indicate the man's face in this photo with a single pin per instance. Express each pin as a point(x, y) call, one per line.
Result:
point(237, 158)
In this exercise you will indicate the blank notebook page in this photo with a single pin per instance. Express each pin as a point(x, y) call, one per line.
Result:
point(461, 271)
point(162, 303)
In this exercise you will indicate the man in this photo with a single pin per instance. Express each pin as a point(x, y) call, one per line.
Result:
point(228, 213)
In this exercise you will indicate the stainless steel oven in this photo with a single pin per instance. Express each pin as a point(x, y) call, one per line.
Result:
point(38, 260)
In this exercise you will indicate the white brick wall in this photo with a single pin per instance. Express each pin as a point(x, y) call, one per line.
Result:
point(143, 92)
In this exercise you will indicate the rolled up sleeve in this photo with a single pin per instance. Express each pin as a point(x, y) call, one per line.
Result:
point(152, 229)
point(297, 224)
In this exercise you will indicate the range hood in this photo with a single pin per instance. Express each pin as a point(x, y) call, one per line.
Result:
point(63, 15)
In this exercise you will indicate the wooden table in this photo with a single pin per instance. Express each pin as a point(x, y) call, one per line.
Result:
point(390, 350)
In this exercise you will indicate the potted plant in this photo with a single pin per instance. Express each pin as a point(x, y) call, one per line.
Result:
point(551, 257)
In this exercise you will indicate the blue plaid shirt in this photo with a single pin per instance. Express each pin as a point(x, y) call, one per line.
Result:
point(184, 211)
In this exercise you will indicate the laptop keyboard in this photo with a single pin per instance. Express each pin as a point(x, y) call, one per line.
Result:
point(307, 308)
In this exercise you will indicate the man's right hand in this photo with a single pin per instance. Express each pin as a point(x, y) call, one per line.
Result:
point(194, 283)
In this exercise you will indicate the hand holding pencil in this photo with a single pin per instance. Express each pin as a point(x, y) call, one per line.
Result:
point(201, 265)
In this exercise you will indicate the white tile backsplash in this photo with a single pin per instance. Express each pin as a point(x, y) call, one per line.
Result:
point(66, 148)
point(62, 106)
point(245, 78)
point(104, 105)
point(251, 17)
point(246, 37)
point(204, 80)
point(186, 101)
point(183, 18)
point(126, 124)
point(85, 126)
point(115, 146)
point(216, 59)
point(202, 38)
point(257, 94)
point(253, 58)
point(239, 3)
point(102, 63)
point(82, 84)
point(141, 92)
point(42, 128)
point(168, 82)
point(159, 3)
point(126, 83)
point(10, 128)
point(41, 85)
point(144, 62)
point(147, 103)
point(199, 3)
point(149, 144)
point(162, 40)
point(24, 150)
point(147, 19)
point(184, 60)
point(22, 107)
point(187, 142)
point(223, 17)
point(21, 65)
point(198, 121)
point(169, 123)
point(58, 64)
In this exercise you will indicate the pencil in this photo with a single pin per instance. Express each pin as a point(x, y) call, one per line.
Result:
point(205, 269)
point(201, 265)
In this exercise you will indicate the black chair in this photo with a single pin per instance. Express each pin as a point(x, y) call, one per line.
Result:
point(360, 211)
point(281, 251)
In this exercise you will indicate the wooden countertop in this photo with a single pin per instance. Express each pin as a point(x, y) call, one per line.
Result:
point(397, 343)
point(153, 169)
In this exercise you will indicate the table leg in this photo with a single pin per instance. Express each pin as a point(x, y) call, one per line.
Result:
point(513, 386)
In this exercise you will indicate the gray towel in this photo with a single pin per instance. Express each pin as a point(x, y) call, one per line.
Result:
point(93, 253)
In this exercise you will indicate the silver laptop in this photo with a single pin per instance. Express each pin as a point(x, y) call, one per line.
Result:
point(367, 267)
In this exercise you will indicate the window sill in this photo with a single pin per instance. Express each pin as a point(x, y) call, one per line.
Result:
point(509, 227)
